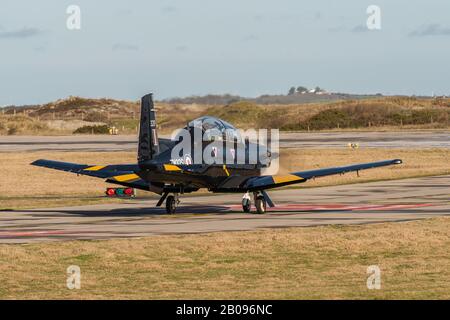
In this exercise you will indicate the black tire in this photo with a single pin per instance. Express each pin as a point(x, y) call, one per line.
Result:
point(260, 205)
point(246, 205)
point(170, 205)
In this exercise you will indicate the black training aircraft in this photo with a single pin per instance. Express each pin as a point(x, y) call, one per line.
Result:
point(157, 171)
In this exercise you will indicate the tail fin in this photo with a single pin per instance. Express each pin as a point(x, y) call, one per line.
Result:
point(148, 146)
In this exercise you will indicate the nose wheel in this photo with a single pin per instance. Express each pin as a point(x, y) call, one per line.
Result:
point(246, 203)
point(260, 203)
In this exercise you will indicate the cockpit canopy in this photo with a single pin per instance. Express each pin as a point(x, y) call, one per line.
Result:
point(215, 129)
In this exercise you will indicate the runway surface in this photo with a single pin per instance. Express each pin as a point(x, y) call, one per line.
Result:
point(398, 200)
point(403, 139)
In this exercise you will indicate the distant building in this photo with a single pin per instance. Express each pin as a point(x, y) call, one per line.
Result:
point(304, 90)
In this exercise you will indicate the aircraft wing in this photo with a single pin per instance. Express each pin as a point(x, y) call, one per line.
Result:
point(241, 183)
point(122, 174)
point(88, 170)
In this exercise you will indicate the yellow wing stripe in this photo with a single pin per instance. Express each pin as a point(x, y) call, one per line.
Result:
point(126, 177)
point(171, 167)
point(94, 168)
point(286, 178)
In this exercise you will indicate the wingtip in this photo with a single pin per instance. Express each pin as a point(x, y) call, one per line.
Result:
point(397, 161)
point(36, 162)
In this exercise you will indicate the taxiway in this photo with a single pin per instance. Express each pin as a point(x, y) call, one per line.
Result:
point(375, 202)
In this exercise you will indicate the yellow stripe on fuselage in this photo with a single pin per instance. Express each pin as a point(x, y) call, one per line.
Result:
point(126, 177)
point(171, 167)
point(94, 168)
point(286, 178)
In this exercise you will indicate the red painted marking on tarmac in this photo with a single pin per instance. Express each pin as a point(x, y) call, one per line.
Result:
point(338, 207)
point(280, 208)
point(43, 233)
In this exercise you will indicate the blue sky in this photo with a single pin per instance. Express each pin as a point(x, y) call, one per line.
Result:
point(249, 47)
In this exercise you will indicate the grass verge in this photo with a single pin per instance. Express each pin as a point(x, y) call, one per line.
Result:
point(297, 263)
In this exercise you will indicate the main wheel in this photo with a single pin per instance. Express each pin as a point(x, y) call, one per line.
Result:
point(246, 205)
point(171, 205)
point(260, 204)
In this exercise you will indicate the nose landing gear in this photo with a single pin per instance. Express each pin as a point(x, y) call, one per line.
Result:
point(246, 203)
point(260, 202)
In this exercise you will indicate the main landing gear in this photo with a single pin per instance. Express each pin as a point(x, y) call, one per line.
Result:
point(172, 202)
point(260, 202)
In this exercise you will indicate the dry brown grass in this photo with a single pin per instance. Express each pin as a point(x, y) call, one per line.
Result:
point(25, 186)
point(299, 263)
point(386, 112)
point(22, 124)
point(392, 112)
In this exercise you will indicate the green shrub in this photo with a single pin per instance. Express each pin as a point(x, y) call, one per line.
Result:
point(329, 119)
point(104, 129)
point(360, 116)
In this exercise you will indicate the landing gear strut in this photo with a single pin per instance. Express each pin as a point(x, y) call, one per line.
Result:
point(172, 203)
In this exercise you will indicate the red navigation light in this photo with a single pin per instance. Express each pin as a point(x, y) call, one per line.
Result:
point(129, 191)
point(120, 192)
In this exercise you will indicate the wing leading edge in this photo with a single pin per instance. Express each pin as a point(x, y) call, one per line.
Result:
point(126, 175)
point(88, 170)
point(239, 183)
point(122, 174)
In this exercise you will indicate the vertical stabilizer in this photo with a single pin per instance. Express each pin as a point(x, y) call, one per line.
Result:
point(148, 146)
